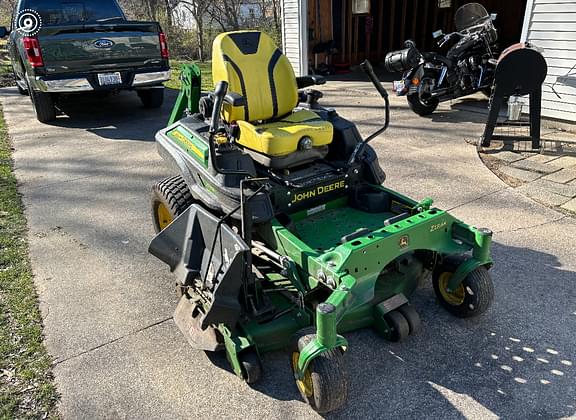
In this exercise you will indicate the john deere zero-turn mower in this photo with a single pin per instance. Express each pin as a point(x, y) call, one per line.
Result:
point(280, 233)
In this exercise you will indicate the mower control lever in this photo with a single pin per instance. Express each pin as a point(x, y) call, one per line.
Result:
point(369, 70)
point(219, 95)
point(367, 67)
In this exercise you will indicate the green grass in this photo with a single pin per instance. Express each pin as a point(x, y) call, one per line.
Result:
point(26, 387)
point(205, 67)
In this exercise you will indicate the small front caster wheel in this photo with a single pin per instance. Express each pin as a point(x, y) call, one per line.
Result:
point(324, 385)
point(414, 321)
point(471, 298)
point(251, 367)
point(398, 326)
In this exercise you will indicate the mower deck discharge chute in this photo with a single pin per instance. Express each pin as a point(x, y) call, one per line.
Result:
point(280, 233)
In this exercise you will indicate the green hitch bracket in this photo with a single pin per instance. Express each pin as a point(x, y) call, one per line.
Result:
point(190, 91)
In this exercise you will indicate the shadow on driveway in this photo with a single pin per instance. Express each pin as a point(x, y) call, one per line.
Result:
point(112, 117)
point(516, 361)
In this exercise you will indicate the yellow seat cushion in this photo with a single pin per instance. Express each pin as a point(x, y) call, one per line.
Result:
point(280, 138)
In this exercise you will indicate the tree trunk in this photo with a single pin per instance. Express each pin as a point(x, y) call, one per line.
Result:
point(276, 17)
point(168, 13)
point(200, 31)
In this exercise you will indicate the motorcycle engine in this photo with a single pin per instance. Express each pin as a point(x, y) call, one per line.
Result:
point(469, 71)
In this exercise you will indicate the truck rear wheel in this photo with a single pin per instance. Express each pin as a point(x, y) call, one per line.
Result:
point(43, 104)
point(152, 98)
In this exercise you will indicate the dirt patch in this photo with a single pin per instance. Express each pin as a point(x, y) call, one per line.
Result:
point(494, 164)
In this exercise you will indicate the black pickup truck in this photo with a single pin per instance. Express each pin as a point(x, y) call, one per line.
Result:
point(60, 47)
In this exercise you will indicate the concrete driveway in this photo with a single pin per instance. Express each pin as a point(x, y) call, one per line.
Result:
point(107, 304)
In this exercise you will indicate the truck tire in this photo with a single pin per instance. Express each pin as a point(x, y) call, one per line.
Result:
point(43, 106)
point(152, 98)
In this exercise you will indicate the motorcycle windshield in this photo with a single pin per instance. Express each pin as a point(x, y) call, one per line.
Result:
point(470, 15)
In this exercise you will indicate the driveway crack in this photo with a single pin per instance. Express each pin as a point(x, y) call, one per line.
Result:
point(548, 222)
point(57, 362)
point(479, 198)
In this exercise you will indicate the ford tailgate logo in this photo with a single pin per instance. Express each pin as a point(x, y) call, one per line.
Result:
point(103, 43)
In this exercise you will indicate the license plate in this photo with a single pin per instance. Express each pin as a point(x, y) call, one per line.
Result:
point(399, 86)
point(107, 79)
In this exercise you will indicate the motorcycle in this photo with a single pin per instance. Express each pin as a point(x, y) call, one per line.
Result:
point(465, 63)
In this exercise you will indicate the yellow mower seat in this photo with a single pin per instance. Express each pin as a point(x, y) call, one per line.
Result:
point(282, 137)
point(256, 69)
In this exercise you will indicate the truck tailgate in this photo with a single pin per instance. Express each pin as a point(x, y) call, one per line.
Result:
point(100, 47)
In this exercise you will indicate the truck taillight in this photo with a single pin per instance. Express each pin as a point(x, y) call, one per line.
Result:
point(33, 52)
point(164, 46)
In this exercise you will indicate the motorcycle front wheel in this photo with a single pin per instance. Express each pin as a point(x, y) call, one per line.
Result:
point(421, 105)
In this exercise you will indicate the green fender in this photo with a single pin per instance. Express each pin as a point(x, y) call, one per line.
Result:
point(464, 269)
point(314, 349)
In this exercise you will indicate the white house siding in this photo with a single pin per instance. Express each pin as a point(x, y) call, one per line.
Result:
point(294, 36)
point(551, 25)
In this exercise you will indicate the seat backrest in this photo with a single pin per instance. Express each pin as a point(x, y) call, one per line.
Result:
point(255, 68)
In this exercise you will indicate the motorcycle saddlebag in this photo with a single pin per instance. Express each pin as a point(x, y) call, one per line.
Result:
point(402, 60)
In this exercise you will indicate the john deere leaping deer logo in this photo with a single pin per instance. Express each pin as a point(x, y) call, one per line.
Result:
point(404, 241)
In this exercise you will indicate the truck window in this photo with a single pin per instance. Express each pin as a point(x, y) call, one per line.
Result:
point(62, 12)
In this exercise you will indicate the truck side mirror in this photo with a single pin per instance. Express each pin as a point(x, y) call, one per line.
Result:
point(437, 34)
point(493, 16)
point(3, 31)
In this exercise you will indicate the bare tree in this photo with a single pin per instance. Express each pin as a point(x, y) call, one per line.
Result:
point(6, 9)
point(198, 10)
point(226, 13)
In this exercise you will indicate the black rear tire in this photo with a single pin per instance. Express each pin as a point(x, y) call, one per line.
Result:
point(151, 98)
point(43, 104)
point(170, 198)
point(325, 387)
point(419, 105)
